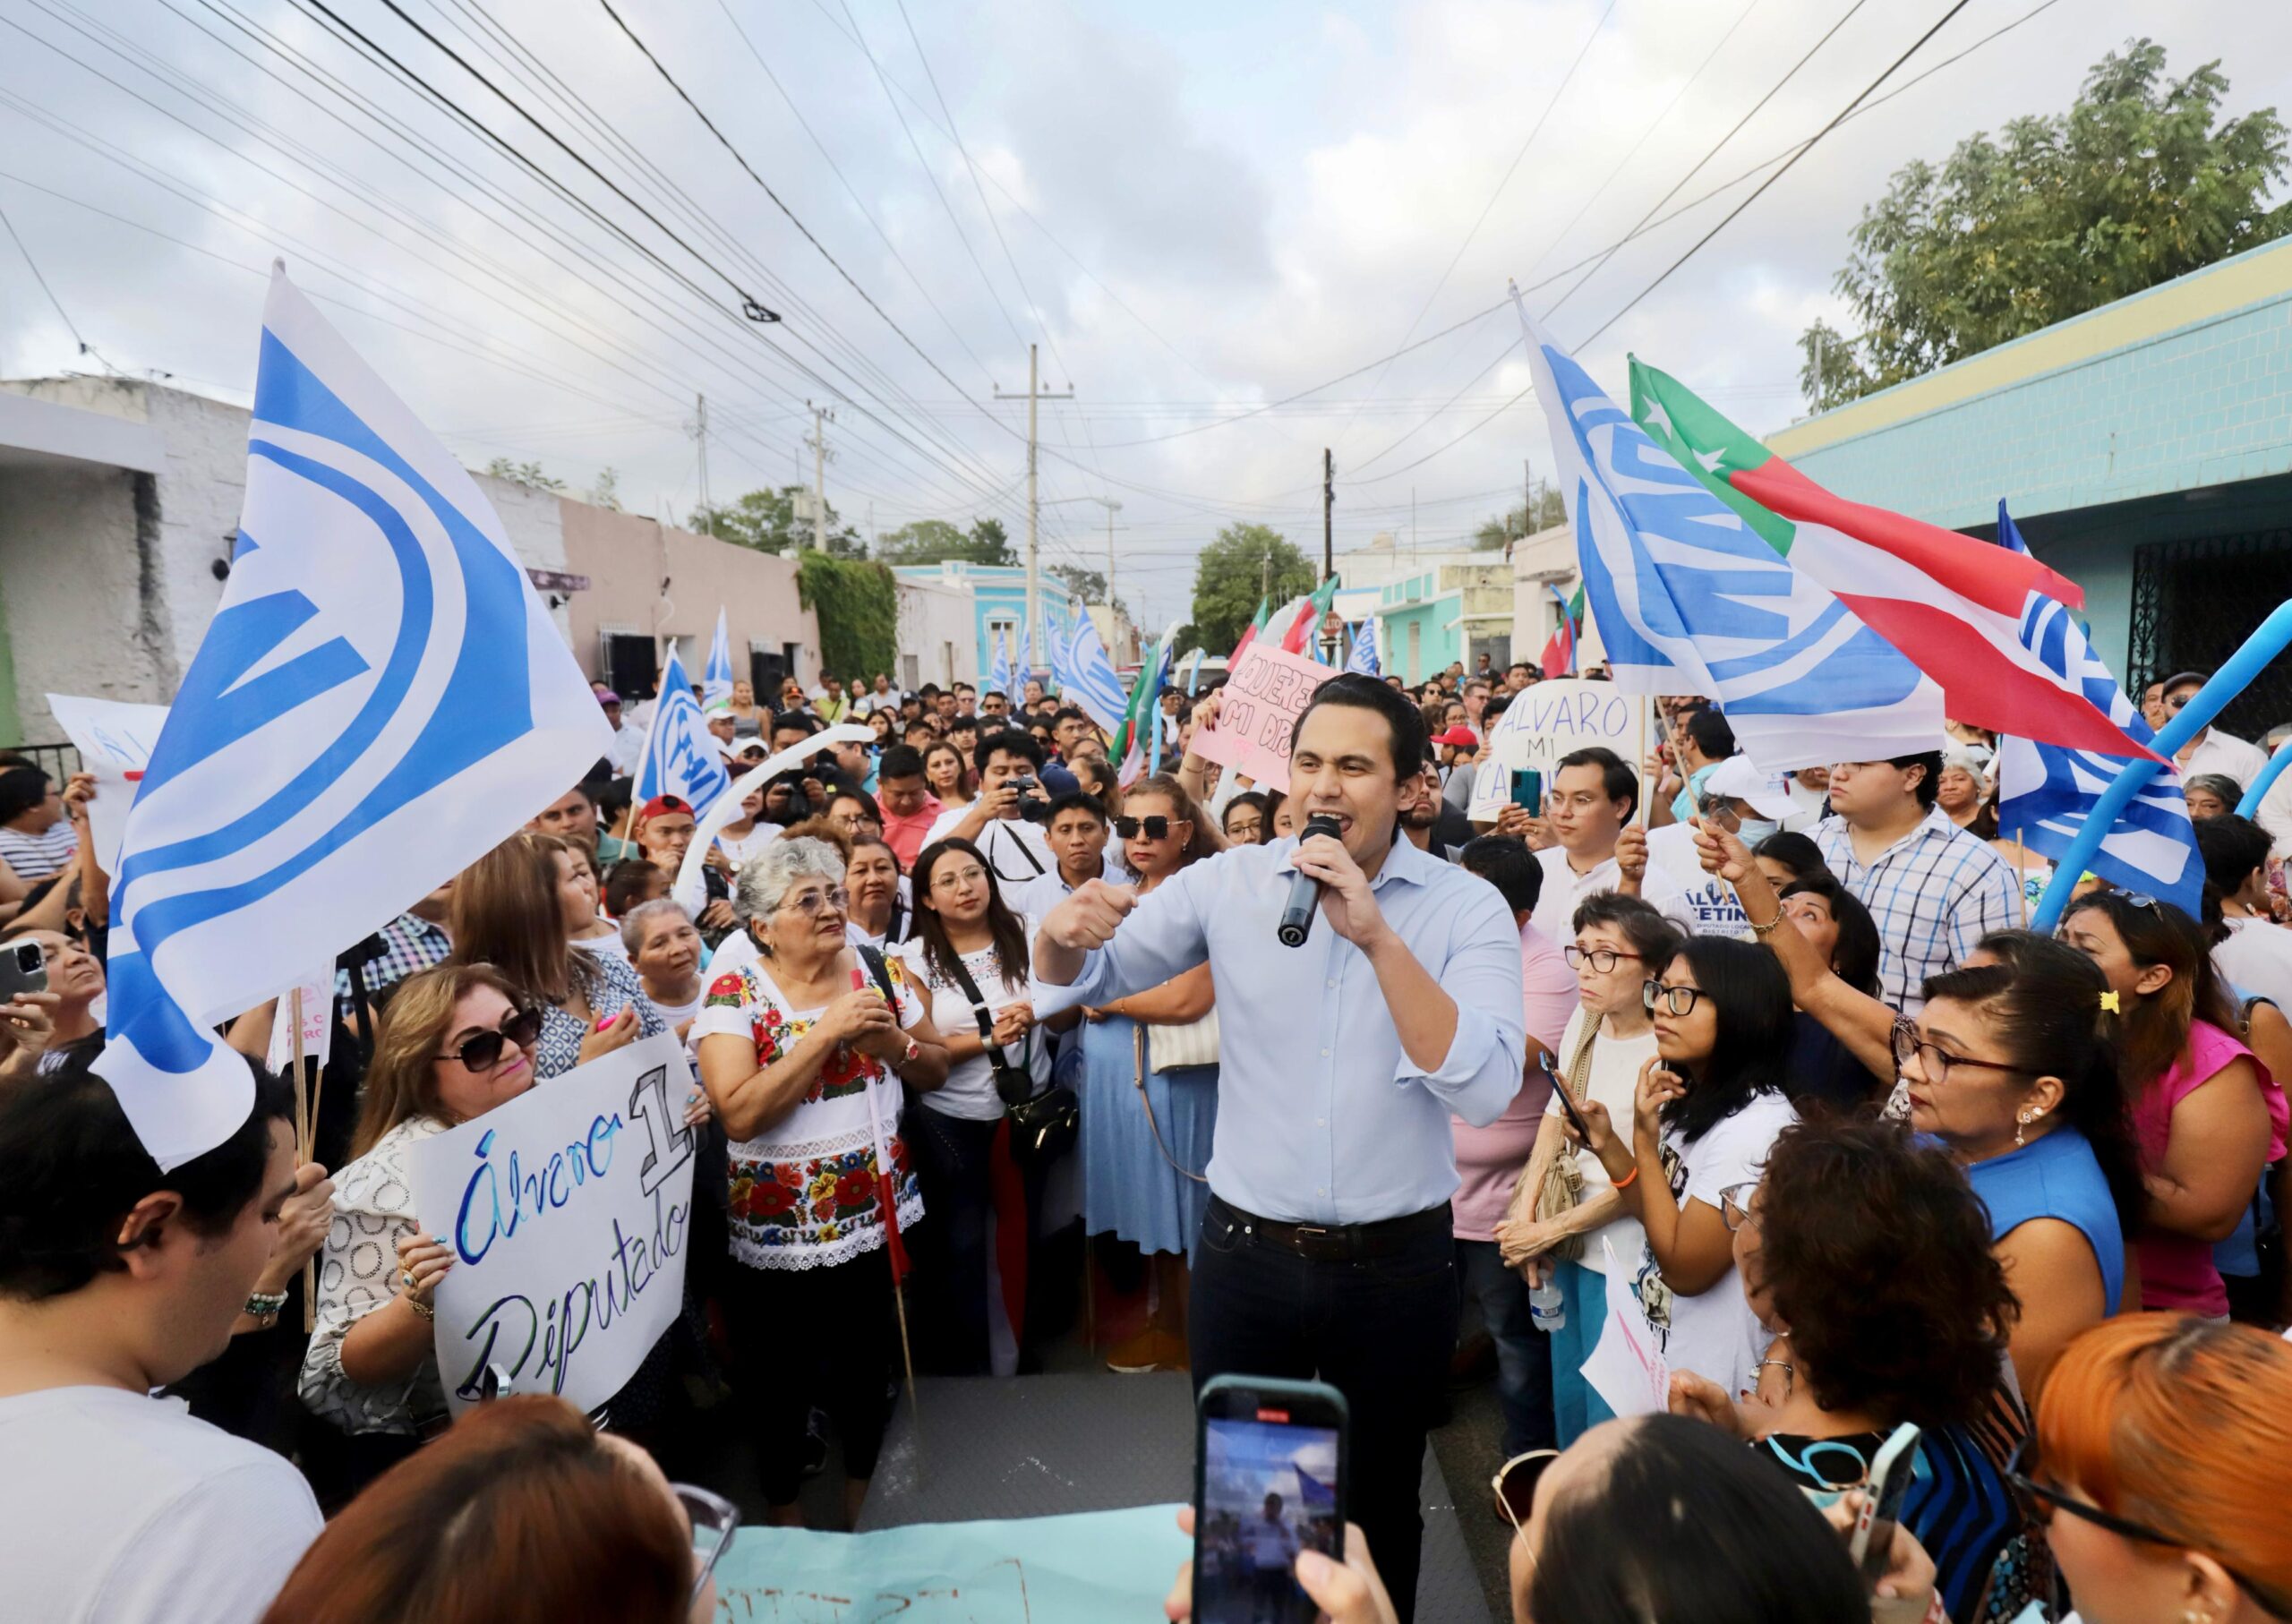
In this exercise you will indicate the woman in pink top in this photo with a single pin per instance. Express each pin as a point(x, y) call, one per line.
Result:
point(2210, 1117)
point(1489, 1159)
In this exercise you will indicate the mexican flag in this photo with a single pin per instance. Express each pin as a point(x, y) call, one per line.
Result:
point(1951, 605)
point(1308, 617)
point(1249, 633)
point(1559, 653)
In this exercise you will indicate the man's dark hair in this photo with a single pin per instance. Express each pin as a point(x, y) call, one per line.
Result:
point(964, 688)
point(21, 790)
point(794, 722)
point(929, 690)
point(2232, 847)
point(75, 1170)
point(1711, 735)
point(627, 882)
point(1069, 712)
point(1077, 800)
point(1405, 720)
point(1505, 862)
point(844, 792)
point(901, 760)
point(1618, 782)
point(1499, 702)
point(1010, 741)
point(1929, 787)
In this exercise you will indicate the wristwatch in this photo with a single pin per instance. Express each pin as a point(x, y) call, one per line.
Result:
point(913, 1050)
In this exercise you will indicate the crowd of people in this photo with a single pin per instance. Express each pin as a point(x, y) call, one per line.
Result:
point(1774, 1055)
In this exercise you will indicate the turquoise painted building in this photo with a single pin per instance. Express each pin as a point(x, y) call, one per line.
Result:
point(998, 593)
point(2144, 448)
point(1443, 614)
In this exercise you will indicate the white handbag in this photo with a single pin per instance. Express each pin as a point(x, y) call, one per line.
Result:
point(1168, 1047)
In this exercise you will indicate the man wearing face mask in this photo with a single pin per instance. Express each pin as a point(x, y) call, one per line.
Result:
point(1738, 796)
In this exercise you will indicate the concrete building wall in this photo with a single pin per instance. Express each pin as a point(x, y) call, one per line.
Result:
point(651, 579)
point(938, 638)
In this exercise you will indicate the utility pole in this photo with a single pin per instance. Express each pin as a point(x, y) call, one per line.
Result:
point(700, 434)
point(1034, 507)
point(1329, 504)
point(1527, 499)
point(821, 417)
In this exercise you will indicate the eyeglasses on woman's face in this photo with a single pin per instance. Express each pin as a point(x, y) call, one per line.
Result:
point(1735, 1205)
point(952, 880)
point(1677, 1000)
point(833, 899)
point(1603, 960)
point(1154, 827)
point(714, 1520)
point(481, 1052)
point(1514, 1485)
point(1935, 1062)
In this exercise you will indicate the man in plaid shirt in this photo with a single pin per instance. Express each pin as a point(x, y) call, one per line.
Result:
point(411, 943)
point(1933, 889)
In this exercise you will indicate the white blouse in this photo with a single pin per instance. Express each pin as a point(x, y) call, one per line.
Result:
point(358, 1273)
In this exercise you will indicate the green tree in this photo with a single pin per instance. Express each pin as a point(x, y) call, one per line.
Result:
point(1830, 374)
point(1550, 509)
point(1088, 585)
point(524, 473)
point(1233, 572)
point(766, 521)
point(2139, 182)
point(931, 540)
point(606, 491)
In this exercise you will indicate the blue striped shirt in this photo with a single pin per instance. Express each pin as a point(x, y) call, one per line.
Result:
point(1933, 895)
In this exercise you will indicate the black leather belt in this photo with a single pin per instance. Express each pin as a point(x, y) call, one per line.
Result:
point(1337, 1243)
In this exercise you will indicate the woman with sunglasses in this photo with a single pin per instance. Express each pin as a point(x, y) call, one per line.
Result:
point(2209, 1115)
point(1608, 1040)
point(1707, 1108)
point(1867, 1255)
point(2162, 1469)
point(452, 1043)
point(509, 910)
point(1146, 1132)
point(803, 1052)
point(522, 1512)
point(967, 941)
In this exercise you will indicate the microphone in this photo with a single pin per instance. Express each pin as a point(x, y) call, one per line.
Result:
point(1304, 890)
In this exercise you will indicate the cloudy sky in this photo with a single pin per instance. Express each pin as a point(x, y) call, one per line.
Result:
point(1196, 209)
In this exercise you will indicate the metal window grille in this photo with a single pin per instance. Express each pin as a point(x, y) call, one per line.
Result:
point(2194, 602)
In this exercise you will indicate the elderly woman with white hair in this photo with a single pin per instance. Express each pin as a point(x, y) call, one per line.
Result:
point(803, 1052)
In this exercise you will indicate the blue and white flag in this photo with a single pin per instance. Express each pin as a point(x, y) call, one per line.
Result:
point(681, 757)
point(380, 700)
point(1689, 600)
point(1026, 663)
point(998, 673)
point(2046, 791)
point(1086, 677)
point(1364, 658)
point(716, 681)
point(2009, 535)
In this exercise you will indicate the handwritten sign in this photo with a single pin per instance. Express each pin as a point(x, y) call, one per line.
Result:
point(1258, 717)
point(1081, 1568)
point(1627, 1367)
point(115, 740)
point(318, 1024)
point(1549, 720)
point(568, 1210)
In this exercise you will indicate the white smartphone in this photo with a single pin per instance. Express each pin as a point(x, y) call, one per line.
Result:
point(1891, 1470)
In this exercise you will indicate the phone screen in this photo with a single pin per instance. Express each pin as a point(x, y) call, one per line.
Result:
point(1270, 1489)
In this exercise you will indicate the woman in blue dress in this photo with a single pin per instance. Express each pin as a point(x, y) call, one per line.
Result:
point(1146, 1132)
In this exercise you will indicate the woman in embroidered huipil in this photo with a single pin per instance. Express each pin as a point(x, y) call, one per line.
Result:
point(803, 1052)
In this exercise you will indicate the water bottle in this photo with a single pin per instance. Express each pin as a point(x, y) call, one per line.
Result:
point(1546, 1307)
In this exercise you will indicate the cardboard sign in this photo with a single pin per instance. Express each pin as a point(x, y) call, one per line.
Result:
point(318, 1025)
point(1258, 717)
point(115, 740)
point(1548, 720)
point(568, 1210)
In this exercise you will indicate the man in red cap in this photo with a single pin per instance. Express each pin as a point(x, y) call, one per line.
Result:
point(1456, 750)
point(664, 828)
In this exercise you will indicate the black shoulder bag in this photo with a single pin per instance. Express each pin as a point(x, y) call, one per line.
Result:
point(1043, 1126)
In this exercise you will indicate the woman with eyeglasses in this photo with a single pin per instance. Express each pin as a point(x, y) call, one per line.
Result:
point(1245, 820)
point(523, 1513)
point(510, 911)
point(2209, 1115)
point(969, 956)
point(803, 1052)
point(1867, 1255)
point(1706, 1108)
point(1608, 1040)
point(1147, 1122)
point(2162, 1469)
point(452, 1043)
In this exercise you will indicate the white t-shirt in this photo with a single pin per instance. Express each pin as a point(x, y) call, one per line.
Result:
point(1613, 1081)
point(609, 945)
point(1710, 899)
point(1715, 1333)
point(2257, 960)
point(1014, 848)
point(1564, 888)
point(738, 847)
point(969, 1091)
point(118, 1509)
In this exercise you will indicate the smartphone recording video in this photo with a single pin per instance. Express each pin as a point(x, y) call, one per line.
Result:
point(1270, 1483)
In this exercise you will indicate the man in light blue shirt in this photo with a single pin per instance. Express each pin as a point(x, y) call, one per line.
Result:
point(1326, 1249)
